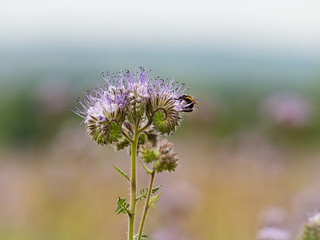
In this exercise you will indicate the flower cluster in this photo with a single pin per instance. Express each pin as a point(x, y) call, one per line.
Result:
point(163, 158)
point(130, 101)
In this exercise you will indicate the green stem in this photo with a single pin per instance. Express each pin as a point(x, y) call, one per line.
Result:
point(133, 190)
point(146, 206)
point(126, 136)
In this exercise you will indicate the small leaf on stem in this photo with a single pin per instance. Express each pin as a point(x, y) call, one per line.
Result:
point(144, 192)
point(124, 175)
point(154, 200)
point(122, 206)
point(143, 237)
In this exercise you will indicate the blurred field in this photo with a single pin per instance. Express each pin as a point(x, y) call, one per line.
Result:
point(69, 190)
point(251, 146)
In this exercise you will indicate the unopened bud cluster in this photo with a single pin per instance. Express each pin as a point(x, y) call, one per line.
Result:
point(163, 158)
point(167, 159)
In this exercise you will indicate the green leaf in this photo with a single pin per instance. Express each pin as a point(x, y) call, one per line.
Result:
point(122, 206)
point(145, 167)
point(124, 175)
point(144, 192)
point(154, 190)
point(143, 237)
point(154, 200)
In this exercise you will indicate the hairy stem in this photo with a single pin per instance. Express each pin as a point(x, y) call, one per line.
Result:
point(146, 206)
point(133, 190)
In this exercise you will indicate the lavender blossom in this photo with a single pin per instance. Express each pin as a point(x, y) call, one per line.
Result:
point(135, 98)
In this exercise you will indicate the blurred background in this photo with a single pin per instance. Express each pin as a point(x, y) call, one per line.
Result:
point(249, 154)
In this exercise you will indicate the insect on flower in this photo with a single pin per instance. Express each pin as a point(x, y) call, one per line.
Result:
point(188, 103)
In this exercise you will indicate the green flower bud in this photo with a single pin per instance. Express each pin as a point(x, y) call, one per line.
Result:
point(147, 153)
point(103, 132)
point(163, 109)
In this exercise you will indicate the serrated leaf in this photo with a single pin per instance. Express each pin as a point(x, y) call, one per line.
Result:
point(122, 206)
point(124, 175)
point(154, 200)
point(144, 192)
point(143, 237)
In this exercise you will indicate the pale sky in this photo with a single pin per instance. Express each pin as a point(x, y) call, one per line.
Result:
point(273, 23)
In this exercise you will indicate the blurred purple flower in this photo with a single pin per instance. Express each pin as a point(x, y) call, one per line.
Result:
point(168, 233)
point(273, 216)
point(52, 96)
point(273, 233)
point(272, 220)
point(288, 109)
point(178, 199)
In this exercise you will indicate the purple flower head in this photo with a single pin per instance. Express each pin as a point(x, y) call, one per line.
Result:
point(134, 99)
